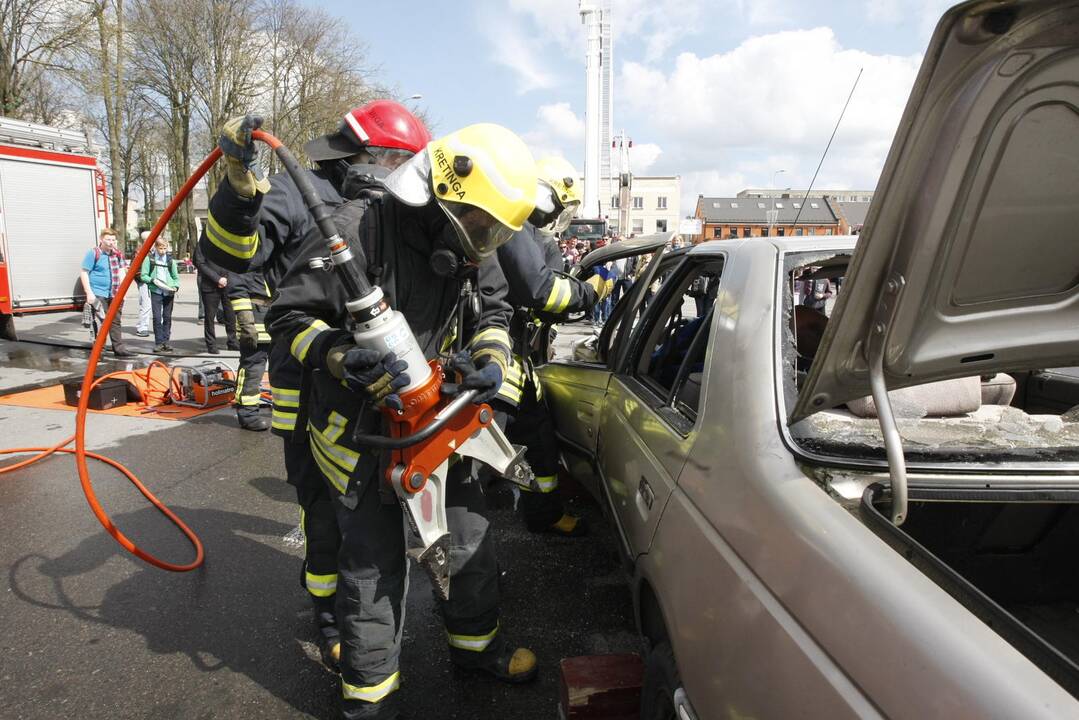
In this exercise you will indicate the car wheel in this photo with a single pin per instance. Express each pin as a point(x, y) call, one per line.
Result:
point(661, 679)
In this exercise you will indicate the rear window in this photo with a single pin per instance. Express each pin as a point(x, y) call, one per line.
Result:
point(1003, 417)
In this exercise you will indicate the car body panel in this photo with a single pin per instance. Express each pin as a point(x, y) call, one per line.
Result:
point(626, 248)
point(777, 600)
point(967, 262)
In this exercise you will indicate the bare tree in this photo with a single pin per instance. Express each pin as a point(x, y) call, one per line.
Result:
point(164, 60)
point(317, 71)
point(36, 37)
point(226, 77)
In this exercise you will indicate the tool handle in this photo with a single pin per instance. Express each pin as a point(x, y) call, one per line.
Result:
point(444, 415)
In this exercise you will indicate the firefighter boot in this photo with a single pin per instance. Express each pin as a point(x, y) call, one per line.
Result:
point(510, 665)
point(569, 526)
point(250, 419)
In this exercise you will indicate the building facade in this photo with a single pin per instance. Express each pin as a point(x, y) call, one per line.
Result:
point(654, 203)
point(725, 218)
point(836, 195)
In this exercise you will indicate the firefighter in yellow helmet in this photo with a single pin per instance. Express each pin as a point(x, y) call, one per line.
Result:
point(441, 218)
point(540, 294)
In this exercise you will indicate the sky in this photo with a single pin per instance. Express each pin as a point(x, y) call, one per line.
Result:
point(720, 92)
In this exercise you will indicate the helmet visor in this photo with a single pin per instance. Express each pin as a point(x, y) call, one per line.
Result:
point(411, 182)
point(480, 234)
point(561, 223)
point(391, 158)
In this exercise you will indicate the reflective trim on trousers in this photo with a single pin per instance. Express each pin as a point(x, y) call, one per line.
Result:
point(371, 693)
point(547, 483)
point(335, 461)
point(285, 397)
point(336, 427)
point(240, 246)
point(302, 342)
point(264, 337)
point(241, 303)
point(320, 585)
point(245, 400)
point(282, 419)
point(475, 643)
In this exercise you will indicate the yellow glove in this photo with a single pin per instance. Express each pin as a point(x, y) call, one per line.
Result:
point(240, 156)
point(601, 286)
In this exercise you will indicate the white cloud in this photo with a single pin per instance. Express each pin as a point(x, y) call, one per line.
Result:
point(642, 156)
point(519, 51)
point(773, 99)
point(558, 131)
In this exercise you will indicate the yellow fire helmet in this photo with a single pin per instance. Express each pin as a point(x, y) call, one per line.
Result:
point(483, 177)
point(558, 194)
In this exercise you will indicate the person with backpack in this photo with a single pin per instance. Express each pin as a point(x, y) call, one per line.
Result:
point(161, 275)
point(101, 273)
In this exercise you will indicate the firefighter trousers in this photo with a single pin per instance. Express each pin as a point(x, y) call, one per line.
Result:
point(530, 424)
point(254, 350)
point(373, 582)
point(321, 537)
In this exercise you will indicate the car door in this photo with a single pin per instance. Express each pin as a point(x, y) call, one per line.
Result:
point(646, 424)
point(575, 388)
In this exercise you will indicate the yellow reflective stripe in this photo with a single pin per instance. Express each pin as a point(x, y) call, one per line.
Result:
point(491, 335)
point(302, 342)
point(320, 585)
point(285, 397)
point(241, 304)
point(475, 643)
point(336, 428)
point(332, 473)
point(371, 693)
point(264, 337)
point(547, 483)
point(241, 246)
point(344, 457)
point(282, 420)
point(558, 300)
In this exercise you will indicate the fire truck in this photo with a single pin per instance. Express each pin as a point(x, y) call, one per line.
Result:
point(53, 202)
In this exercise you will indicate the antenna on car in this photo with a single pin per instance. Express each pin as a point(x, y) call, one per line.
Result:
point(828, 146)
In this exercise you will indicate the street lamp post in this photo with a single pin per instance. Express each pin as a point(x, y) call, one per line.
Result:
point(773, 215)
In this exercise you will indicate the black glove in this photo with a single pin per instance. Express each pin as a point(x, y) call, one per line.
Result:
point(487, 378)
point(380, 377)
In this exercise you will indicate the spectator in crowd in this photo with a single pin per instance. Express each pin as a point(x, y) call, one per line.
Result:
point(213, 283)
point(101, 273)
point(816, 293)
point(160, 272)
point(146, 311)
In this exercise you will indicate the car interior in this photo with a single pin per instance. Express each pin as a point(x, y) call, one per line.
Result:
point(1012, 415)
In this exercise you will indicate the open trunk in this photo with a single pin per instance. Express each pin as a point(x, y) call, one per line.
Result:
point(1008, 558)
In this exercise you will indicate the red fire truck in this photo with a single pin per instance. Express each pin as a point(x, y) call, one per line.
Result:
point(53, 202)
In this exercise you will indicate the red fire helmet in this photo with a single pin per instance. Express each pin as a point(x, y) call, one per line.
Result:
point(380, 123)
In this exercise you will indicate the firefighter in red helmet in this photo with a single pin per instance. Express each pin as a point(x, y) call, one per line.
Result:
point(256, 228)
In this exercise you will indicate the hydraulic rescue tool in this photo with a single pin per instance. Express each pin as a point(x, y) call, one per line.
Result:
point(430, 428)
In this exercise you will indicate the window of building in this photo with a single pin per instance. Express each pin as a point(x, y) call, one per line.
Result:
point(797, 206)
point(638, 202)
point(613, 225)
point(799, 231)
point(780, 232)
point(764, 232)
point(717, 232)
point(734, 205)
point(761, 206)
point(814, 205)
point(779, 206)
point(661, 202)
point(745, 232)
point(734, 232)
point(638, 226)
point(828, 231)
point(661, 226)
point(715, 205)
point(614, 202)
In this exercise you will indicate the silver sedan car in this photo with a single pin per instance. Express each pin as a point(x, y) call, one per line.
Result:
point(847, 509)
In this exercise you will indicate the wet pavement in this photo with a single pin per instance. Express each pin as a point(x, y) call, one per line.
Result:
point(87, 631)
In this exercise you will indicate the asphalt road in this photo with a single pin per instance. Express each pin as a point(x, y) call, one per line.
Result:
point(87, 631)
